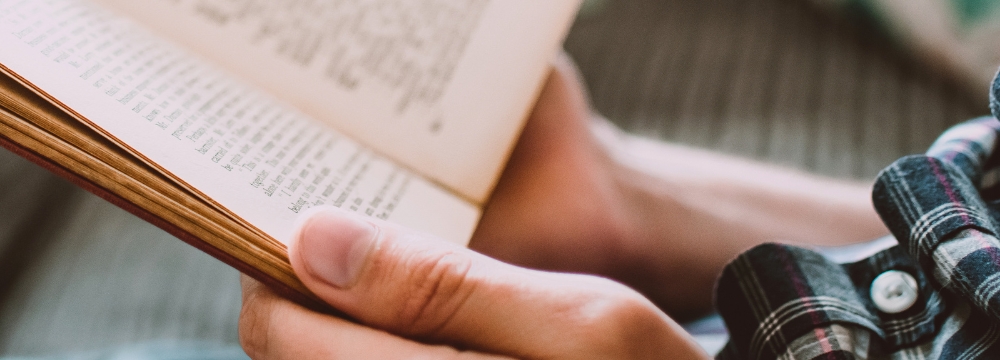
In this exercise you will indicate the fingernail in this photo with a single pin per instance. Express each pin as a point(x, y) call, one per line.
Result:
point(334, 246)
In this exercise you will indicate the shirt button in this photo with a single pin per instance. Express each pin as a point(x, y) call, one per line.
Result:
point(894, 291)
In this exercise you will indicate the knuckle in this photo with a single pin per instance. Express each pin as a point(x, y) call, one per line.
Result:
point(628, 314)
point(616, 321)
point(437, 286)
point(254, 325)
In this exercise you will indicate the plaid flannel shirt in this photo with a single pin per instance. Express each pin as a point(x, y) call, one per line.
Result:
point(943, 208)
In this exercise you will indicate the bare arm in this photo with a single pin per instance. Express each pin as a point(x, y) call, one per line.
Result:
point(691, 211)
point(581, 196)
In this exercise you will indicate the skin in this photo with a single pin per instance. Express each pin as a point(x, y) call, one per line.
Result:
point(419, 291)
point(590, 239)
point(580, 196)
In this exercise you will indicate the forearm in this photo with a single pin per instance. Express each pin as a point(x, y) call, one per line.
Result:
point(768, 202)
point(661, 218)
point(692, 211)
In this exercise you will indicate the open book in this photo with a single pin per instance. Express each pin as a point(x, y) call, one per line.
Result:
point(222, 120)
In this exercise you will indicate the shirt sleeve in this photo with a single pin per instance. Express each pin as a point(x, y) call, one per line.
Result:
point(943, 207)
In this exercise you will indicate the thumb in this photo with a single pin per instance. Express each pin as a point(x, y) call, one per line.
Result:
point(421, 287)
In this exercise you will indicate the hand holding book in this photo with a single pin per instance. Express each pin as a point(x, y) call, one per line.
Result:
point(511, 311)
point(416, 296)
point(550, 209)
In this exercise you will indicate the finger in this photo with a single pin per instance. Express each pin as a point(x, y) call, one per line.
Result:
point(272, 327)
point(425, 288)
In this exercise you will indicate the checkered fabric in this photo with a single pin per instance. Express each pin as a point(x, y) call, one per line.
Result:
point(943, 207)
point(995, 96)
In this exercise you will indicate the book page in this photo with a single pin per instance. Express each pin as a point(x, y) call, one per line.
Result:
point(442, 86)
point(252, 155)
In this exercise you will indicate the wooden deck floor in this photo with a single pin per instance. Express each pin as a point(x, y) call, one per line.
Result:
point(767, 79)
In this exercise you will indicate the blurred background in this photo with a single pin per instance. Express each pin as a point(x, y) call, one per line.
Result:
point(839, 88)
